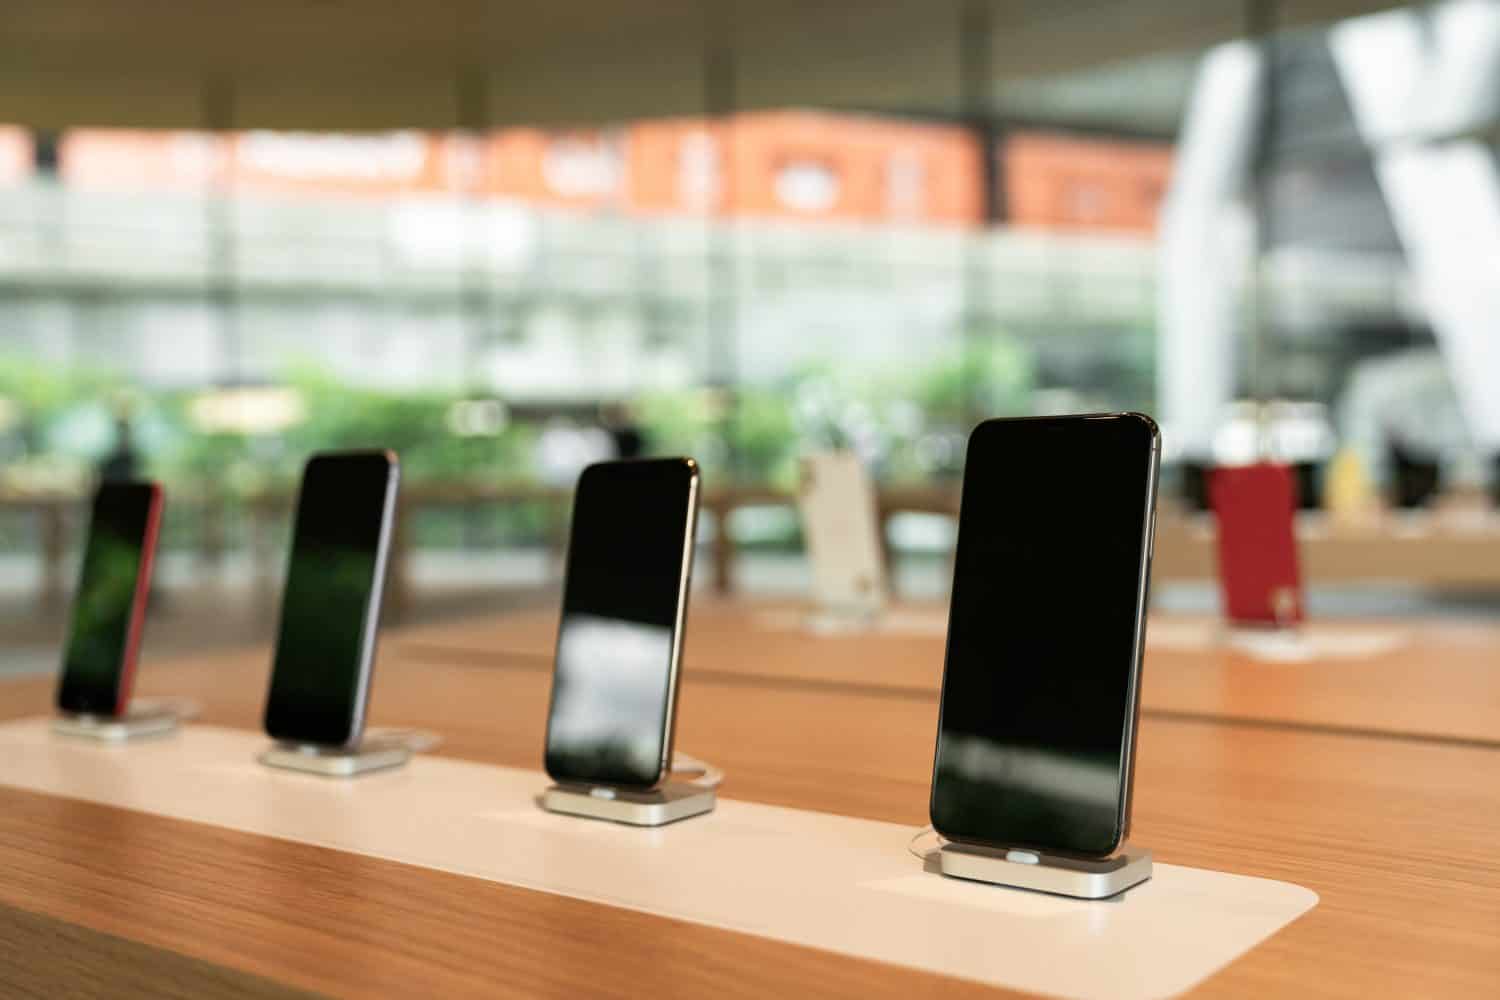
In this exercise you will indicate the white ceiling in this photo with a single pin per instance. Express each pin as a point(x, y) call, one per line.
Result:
point(438, 63)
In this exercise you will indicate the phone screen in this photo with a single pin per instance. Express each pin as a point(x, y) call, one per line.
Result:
point(111, 589)
point(614, 684)
point(330, 608)
point(1040, 684)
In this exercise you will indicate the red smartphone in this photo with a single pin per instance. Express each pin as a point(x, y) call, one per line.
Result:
point(1256, 508)
point(109, 607)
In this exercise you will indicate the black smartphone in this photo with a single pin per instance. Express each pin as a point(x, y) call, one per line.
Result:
point(330, 609)
point(1041, 680)
point(619, 645)
point(109, 607)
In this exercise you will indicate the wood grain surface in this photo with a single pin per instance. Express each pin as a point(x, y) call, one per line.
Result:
point(1397, 836)
point(1441, 680)
point(47, 957)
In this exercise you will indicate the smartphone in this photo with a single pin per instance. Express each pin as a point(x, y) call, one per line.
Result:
point(624, 607)
point(330, 609)
point(1041, 679)
point(109, 607)
point(842, 530)
point(1256, 508)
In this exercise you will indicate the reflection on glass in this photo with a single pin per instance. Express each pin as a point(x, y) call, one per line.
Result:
point(1058, 796)
point(609, 703)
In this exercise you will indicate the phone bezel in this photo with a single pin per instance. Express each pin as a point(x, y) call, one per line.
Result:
point(1131, 723)
point(679, 629)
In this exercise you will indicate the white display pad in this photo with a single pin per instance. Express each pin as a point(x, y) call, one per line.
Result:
point(832, 882)
point(897, 621)
point(1300, 644)
point(1315, 641)
point(115, 729)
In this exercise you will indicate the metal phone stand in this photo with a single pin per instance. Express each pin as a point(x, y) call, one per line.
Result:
point(138, 722)
point(1039, 872)
point(671, 802)
point(337, 762)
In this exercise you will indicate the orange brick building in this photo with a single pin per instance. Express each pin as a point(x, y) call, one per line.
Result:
point(1070, 182)
point(778, 164)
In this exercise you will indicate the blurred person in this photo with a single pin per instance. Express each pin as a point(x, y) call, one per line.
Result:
point(624, 430)
point(123, 463)
point(1401, 409)
point(1416, 474)
point(564, 450)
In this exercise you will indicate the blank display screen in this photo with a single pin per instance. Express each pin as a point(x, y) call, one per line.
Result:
point(331, 580)
point(609, 723)
point(1036, 700)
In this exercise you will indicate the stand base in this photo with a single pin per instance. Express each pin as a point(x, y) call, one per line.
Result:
point(133, 725)
point(667, 804)
point(1047, 873)
point(333, 762)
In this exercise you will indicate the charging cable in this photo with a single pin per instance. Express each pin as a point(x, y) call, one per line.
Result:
point(923, 855)
point(708, 775)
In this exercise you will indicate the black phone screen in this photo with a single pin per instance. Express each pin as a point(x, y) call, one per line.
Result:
point(104, 606)
point(1039, 685)
point(319, 675)
point(629, 554)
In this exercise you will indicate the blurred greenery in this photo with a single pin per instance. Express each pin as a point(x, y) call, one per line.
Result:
point(337, 416)
point(45, 450)
point(989, 376)
point(42, 391)
point(904, 420)
point(909, 421)
point(39, 398)
point(414, 425)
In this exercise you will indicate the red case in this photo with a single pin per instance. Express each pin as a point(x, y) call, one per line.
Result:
point(138, 603)
point(1256, 508)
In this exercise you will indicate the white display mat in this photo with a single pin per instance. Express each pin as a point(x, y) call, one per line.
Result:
point(1302, 644)
point(915, 623)
point(815, 879)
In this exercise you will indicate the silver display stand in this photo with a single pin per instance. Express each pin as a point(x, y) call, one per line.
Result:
point(671, 802)
point(1047, 873)
point(137, 723)
point(336, 762)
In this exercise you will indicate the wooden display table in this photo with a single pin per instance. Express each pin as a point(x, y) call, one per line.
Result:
point(1396, 835)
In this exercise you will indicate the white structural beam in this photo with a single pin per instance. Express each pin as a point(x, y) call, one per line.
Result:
point(1207, 247)
point(1412, 86)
